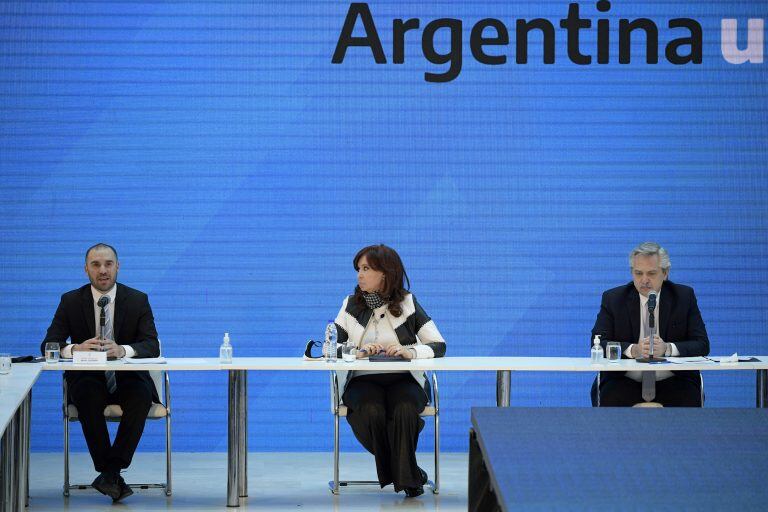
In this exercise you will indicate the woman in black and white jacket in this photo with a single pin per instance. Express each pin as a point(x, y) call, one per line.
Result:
point(383, 317)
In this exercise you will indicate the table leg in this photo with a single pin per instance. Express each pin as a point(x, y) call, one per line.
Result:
point(597, 389)
point(3, 477)
point(28, 436)
point(233, 500)
point(23, 440)
point(16, 499)
point(242, 435)
point(7, 489)
point(761, 392)
point(503, 382)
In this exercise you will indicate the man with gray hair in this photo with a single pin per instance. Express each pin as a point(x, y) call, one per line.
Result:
point(623, 317)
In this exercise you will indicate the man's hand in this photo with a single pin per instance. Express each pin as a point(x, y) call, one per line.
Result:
point(93, 344)
point(659, 347)
point(399, 350)
point(112, 349)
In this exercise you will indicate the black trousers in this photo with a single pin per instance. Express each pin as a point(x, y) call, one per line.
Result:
point(671, 392)
point(383, 411)
point(90, 396)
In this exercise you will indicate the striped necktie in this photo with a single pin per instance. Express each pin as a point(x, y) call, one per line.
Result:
point(108, 335)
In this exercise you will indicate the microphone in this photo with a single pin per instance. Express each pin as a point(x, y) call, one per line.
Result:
point(651, 301)
point(102, 303)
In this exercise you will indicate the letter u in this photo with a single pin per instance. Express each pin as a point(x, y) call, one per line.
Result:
point(729, 47)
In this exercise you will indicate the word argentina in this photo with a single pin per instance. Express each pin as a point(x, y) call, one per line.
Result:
point(684, 49)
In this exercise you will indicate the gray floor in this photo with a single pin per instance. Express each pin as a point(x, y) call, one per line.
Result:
point(277, 481)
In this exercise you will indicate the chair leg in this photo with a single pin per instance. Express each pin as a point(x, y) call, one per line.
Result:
point(336, 484)
point(65, 414)
point(66, 453)
point(436, 488)
point(168, 482)
point(335, 487)
point(168, 486)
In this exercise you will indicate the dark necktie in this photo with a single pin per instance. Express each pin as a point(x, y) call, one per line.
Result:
point(107, 335)
point(649, 378)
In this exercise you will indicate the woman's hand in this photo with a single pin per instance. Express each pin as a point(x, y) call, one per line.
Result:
point(369, 349)
point(399, 350)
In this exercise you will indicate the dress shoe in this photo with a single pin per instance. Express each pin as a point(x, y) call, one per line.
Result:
point(412, 492)
point(125, 489)
point(423, 475)
point(108, 483)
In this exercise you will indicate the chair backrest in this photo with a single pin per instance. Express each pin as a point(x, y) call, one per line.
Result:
point(157, 380)
point(157, 375)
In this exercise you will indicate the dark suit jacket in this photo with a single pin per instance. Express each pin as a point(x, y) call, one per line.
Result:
point(133, 324)
point(681, 323)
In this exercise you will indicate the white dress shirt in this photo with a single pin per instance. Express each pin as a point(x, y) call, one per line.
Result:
point(671, 348)
point(66, 352)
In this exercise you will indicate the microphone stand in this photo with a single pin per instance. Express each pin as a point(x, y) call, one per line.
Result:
point(102, 322)
point(651, 358)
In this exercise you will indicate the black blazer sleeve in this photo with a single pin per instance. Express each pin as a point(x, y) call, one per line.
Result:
point(140, 333)
point(686, 328)
point(59, 330)
point(605, 324)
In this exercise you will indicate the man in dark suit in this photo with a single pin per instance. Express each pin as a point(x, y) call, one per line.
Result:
point(129, 331)
point(623, 317)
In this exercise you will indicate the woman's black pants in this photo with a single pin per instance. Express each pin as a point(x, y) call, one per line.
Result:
point(383, 411)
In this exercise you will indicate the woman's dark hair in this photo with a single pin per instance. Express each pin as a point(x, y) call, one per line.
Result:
point(396, 282)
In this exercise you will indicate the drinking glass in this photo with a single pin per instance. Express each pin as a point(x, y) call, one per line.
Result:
point(349, 352)
point(5, 363)
point(51, 352)
point(614, 351)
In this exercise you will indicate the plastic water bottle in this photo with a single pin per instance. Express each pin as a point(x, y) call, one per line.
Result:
point(225, 351)
point(329, 347)
point(597, 350)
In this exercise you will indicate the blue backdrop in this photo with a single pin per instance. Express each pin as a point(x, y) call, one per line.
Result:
point(237, 171)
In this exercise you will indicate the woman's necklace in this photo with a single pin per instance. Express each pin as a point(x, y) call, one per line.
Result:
point(375, 327)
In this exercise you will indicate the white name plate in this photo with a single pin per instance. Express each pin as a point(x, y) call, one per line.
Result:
point(89, 357)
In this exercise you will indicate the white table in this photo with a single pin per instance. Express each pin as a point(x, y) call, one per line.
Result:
point(237, 470)
point(15, 420)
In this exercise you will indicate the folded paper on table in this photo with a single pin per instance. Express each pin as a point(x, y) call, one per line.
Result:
point(145, 360)
point(89, 357)
point(381, 358)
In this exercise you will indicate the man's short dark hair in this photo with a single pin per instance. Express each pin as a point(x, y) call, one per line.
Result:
point(100, 246)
